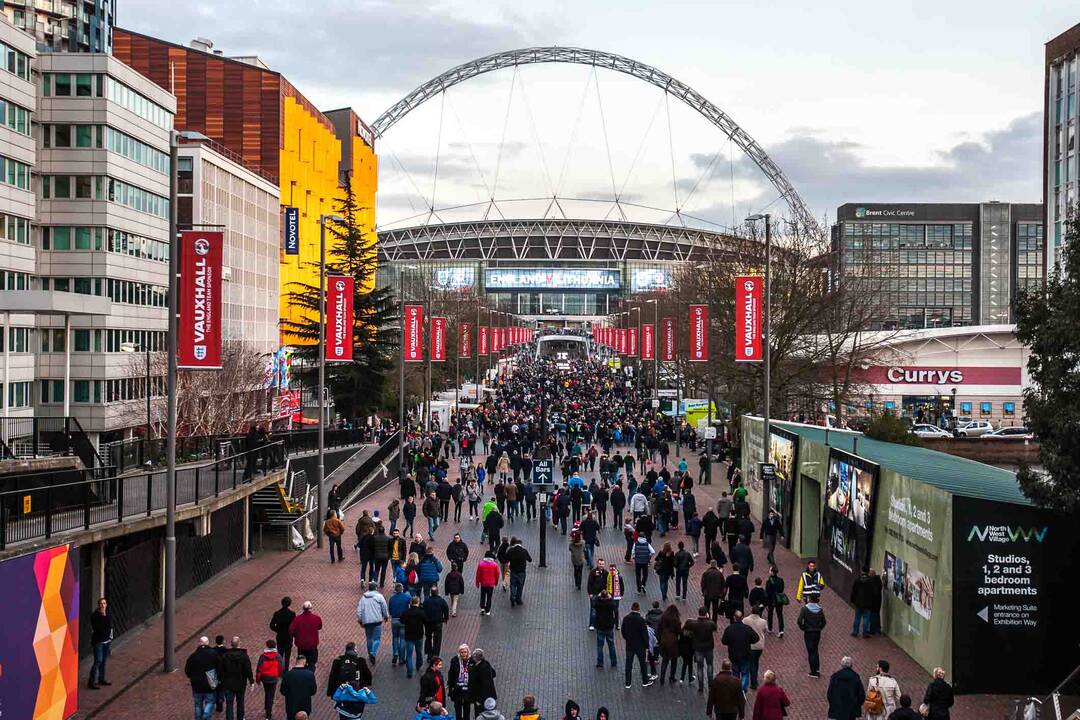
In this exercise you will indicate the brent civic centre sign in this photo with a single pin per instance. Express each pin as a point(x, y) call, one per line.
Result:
point(932, 375)
point(871, 212)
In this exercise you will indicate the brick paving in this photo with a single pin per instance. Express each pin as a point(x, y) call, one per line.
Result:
point(542, 648)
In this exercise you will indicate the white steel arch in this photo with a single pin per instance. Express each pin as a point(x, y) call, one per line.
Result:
point(618, 63)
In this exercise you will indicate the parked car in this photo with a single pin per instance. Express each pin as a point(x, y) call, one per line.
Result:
point(925, 430)
point(975, 428)
point(1010, 432)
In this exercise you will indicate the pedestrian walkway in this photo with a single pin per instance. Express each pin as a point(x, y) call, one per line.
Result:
point(543, 648)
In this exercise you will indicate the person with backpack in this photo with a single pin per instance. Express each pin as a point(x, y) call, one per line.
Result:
point(350, 700)
point(236, 677)
point(268, 671)
point(346, 668)
point(882, 693)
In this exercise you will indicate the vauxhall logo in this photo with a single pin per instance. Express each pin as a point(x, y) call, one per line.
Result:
point(1006, 533)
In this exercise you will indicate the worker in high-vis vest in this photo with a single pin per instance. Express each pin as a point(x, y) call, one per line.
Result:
point(810, 584)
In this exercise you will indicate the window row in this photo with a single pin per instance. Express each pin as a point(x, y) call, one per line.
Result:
point(139, 104)
point(98, 85)
point(15, 62)
point(99, 391)
point(104, 136)
point(12, 280)
point(15, 228)
point(15, 116)
point(18, 394)
point(62, 237)
point(99, 187)
point(55, 84)
point(19, 340)
point(119, 291)
point(13, 172)
point(1008, 409)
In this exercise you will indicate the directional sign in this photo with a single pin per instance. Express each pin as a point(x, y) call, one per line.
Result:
point(543, 472)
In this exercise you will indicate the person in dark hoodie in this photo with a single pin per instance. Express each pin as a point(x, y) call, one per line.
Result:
point(346, 668)
point(905, 711)
point(298, 686)
point(203, 670)
point(602, 713)
point(236, 677)
point(573, 711)
point(846, 693)
point(481, 681)
point(812, 621)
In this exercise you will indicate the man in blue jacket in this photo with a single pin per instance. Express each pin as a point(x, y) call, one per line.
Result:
point(429, 570)
point(398, 603)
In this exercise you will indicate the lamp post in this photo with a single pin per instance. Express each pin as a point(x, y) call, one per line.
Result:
point(131, 348)
point(320, 468)
point(765, 335)
point(401, 378)
point(169, 606)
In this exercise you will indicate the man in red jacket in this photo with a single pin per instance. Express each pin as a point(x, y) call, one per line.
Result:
point(487, 577)
point(305, 629)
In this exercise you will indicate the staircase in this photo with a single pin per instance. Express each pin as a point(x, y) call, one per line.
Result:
point(277, 508)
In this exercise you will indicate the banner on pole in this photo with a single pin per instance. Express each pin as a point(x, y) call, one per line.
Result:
point(414, 333)
point(482, 340)
point(339, 318)
point(438, 339)
point(648, 341)
point(748, 317)
point(699, 333)
point(667, 340)
point(632, 348)
point(199, 334)
point(464, 340)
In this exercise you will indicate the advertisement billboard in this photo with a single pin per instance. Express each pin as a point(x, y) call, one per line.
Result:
point(783, 452)
point(39, 638)
point(748, 319)
point(453, 279)
point(339, 318)
point(464, 340)
point(648, 341)
point(650, 279)
point(438, 339)
point(847, 521)
point(414, 333)
point(667, 340)
point(551, 278)
point(699, 333)
point(199, 336)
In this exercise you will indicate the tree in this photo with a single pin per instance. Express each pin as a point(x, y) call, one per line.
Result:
point(357, 386)
point(889, 428)
point(1048, 323)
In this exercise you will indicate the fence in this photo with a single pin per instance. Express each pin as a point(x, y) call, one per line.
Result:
point(349, 484)
point(35, 437)
point(1061, 704)
point(40, 512)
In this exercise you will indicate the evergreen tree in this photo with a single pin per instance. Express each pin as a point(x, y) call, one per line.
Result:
point(1048, 323)
point(357, 387)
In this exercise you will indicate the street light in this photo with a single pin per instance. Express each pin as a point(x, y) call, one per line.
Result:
point(169, 609)
point(129, 347)
point(320, 468)
point(765, 335)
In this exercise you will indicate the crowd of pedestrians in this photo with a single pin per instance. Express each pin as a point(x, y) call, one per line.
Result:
point(613, 451)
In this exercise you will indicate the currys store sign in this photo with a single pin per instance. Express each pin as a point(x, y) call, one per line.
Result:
point(199, 336)
point(931, 375)
point(339, 320)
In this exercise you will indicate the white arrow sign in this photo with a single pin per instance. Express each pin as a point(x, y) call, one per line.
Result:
point(984, 614)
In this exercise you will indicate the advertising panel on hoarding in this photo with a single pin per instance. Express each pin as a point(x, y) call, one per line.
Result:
point(783, 450)
point(414, 333)
point(482, 340)
point(648, 341)
point(465, 340)
point(200, 300)
point(551, 278)
point(632, 338)
point(699, 333)
point(292, 231)
point(748, 319)
point(39, 638)
point(339, 318)
point(667, 340)
point(847, 523)
point(650, 279)
point(438, 339)
point(454, 279)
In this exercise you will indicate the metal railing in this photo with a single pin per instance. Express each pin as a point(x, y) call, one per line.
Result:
point(1061, 704)
point(349, 484)
point(37, 437)
point(44, 509)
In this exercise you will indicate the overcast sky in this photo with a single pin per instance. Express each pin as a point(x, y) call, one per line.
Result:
point(855, 101)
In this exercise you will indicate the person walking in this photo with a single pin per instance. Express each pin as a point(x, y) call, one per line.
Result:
point(203, 671)
point(481, 682)
point(398, 604)
point(298, 687)
point(684, 560)
point(280, 623)
point(938, 697)
point(755, 621)
point(408, 514)
point(665, 568)
point(454, 587)
point(393, 513)
point(642, 554)
point(635, 633)
point(346, 668)
point(268, 671)
point(810, 584)
point(457, 551)
point(493, 525)
point(432, 684)
point(236, 678)
point(517, 559)
point(487, 577)
point(371, 612)
point(812, 621)
point(304, 630)
point(412, 623)
point(429, 570)
point(101, 635)
point(740, 639)
point(862, 599)
point(590, 534)
point(431, 511)
point(576, 546)
point(702, 630)
point(458, 677)
point(617, 499)
point(605, 620)
point(770, 701)
point(882, 693)
point(726, 699)
point(436, 614)
point(845, 694)
point(333, 529)
point(775, 599)
point(668, 632)
point(713, 587)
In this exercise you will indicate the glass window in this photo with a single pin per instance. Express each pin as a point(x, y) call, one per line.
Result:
point(62, 83)
point(985, 408)
point(61, 238)
point(84, 286)
point(81, 393)
point(61, 186)
point(84, 86)
point(62, 284)
point(83, 186)
point(1009, 409)
point(82, 239)
point(84, 136)
point(81, 340)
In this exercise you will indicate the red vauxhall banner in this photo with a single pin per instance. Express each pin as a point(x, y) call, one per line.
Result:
point(414, 333)
point(199, 334)
point(748, 303)
point(699, 333)
point(464, 340)
point(438, 339)
point(482, 340)
point(339, 318)
point(648, 341)
point(667, 340)
point(631, 349)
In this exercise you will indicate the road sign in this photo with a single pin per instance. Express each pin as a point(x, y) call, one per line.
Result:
point(543, 472)
point(709, 433)
point(767, 471)
point(667, 393)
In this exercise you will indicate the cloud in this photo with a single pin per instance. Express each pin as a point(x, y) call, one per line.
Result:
point(1002, 164)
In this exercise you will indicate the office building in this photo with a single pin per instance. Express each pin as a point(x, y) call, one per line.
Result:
point(65, 25)
point(1061, 166)
point(260, 116)
point(941, 265)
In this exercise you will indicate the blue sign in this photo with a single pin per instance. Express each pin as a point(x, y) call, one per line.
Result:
point(292, 231)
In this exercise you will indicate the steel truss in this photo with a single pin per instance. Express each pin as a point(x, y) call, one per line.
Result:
point(618, 63)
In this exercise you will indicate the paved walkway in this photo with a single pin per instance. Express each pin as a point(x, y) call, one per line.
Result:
point(542, 648)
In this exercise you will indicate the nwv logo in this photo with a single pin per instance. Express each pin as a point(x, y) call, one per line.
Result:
point(1006, 533)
